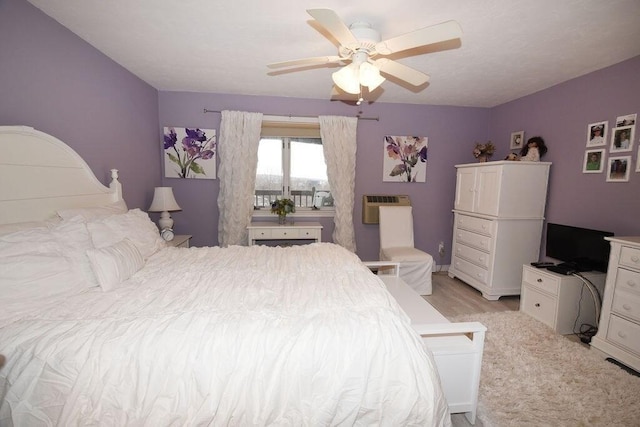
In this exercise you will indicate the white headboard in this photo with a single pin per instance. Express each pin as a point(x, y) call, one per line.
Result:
point(40, 174)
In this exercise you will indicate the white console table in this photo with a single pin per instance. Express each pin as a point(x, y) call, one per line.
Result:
point(290, 231)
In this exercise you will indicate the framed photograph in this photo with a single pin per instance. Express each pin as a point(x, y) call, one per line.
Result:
point(638, 161)
point(189, 153)
point(517, 139)
point(628, 120)
point(593, 161)
point(618, 169)
point(405, 158)
point(622, 139)
point(597, 134)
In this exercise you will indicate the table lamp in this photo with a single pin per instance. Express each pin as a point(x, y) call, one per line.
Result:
point(164, 201)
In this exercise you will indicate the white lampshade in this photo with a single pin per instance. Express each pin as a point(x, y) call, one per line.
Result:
point(347, 79)
point(370, 76)
point(164, 201)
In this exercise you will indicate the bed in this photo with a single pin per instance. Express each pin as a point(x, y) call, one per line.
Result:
point(102, 323)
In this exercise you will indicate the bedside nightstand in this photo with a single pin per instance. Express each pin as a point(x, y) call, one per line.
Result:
point(180, 241)
point(557, 300)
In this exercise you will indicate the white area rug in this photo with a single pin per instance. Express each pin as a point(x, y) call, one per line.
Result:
point(532, 376)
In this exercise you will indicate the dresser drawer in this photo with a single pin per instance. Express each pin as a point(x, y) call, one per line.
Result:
point(284, 233)
point(538, 305)
point(307, 233)
point(473, 255)
point(624, 333)
point(542, 281)
point(630, 257)
point(258, 234)
point(628, 280)
point(626, 304)
point(478, 225)
point(478, 273)
point(473, 239)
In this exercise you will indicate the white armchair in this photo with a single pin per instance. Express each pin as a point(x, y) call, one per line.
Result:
point(397, 245)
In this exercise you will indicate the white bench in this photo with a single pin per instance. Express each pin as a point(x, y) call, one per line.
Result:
point(456, 347)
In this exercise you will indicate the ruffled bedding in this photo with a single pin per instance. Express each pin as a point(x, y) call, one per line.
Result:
point(240, 336)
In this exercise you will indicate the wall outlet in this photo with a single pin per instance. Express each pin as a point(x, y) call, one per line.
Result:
point(441, 248)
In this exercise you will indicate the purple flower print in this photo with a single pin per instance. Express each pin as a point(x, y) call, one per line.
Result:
point(408, 150)
point(195, 146)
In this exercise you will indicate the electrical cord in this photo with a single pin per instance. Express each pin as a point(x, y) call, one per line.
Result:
point(588, 331)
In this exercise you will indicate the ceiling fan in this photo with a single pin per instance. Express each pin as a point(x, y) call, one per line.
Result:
point(360, 44)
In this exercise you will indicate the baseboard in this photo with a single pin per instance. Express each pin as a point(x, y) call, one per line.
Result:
point(441, 269)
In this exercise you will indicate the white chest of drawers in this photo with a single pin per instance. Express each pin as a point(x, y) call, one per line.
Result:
point(498, 223)
point(561, 302)
point(619, 333)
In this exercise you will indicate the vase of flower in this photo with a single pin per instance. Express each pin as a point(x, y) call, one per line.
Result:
point(483, 151)
point(282, 207)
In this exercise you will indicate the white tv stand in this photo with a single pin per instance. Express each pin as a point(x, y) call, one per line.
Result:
point(558, 300)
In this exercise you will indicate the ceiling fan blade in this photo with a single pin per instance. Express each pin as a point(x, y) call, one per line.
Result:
point(318, 60)
point(334, 25)
point(448, 30)
point(396, 69)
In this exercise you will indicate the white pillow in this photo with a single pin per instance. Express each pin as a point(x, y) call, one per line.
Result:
point(114, 264)
point(94, 212)
point(134, 225)
point(23, 226)
point(74, 240)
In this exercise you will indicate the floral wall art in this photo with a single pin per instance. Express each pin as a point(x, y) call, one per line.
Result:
point(189, 153)
point(405, 159)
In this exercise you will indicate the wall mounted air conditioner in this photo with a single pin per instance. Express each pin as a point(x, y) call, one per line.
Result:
point(371, 203)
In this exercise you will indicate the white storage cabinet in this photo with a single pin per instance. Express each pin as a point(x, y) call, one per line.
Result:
point(619, 332)
point(499, 211)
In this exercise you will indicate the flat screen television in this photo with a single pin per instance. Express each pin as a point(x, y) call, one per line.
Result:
point(583, 248)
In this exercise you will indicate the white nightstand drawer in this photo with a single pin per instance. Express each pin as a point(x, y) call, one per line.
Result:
point(543, 281)
point(538, 305)
point(628, 281)
point(473, 239)
point(478, 225)
point(284, 233)
point(478, 273)
point(473, 255)
point(630, 257)
point(624, 333)
point(626, 304)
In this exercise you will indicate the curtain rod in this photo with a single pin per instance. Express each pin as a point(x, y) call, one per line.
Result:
point(292, 116)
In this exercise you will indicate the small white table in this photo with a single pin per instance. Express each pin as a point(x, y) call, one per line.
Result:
point(180, 241)
point(290, 231)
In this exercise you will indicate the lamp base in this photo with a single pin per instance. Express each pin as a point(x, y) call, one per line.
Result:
point(165, 220)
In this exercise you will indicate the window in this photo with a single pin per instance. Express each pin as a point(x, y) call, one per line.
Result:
point(291, 164)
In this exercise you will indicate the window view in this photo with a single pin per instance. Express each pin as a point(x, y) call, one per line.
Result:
point(293, 168)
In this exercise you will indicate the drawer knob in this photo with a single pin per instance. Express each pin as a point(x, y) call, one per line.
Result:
point(626, 307)
point(622, 334)
point(539, 280)
point(631, 283)
point(537, 304)
point(481, 259)
point(635, 258)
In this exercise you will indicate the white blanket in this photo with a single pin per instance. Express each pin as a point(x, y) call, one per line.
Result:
point(240, 336)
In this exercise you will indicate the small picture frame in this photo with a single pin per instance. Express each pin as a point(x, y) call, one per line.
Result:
point(628, 120)
point(622, 139)
point(597, 134)
point(638, 161)
point(593, 161)
point(517, 140)
point(618, 169)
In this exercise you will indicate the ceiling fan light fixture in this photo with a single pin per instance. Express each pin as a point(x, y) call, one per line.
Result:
point(347, 79)
point(370, 76)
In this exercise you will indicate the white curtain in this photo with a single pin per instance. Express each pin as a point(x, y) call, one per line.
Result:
point(238, 153)
point(339, 146)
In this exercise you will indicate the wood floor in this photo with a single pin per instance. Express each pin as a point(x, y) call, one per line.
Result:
point(452, 297)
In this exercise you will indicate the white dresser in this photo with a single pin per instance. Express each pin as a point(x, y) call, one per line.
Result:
point(290, 231)
point(619, 332)
point(499, 211)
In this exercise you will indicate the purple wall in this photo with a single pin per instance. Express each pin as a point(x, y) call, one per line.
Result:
point(561, 115)
point(53, 81)
point(452, 132)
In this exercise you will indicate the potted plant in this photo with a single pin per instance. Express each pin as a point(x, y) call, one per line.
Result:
point(483, 151)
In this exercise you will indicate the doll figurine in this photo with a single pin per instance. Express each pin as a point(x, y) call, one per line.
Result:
point(532, 152)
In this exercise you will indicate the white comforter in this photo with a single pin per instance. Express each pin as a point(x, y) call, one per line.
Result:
point(241, 336)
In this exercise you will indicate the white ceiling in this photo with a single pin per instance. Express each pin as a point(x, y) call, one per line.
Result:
point(509, 48)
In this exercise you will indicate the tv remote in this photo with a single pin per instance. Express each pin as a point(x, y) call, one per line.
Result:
point(542, 264)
